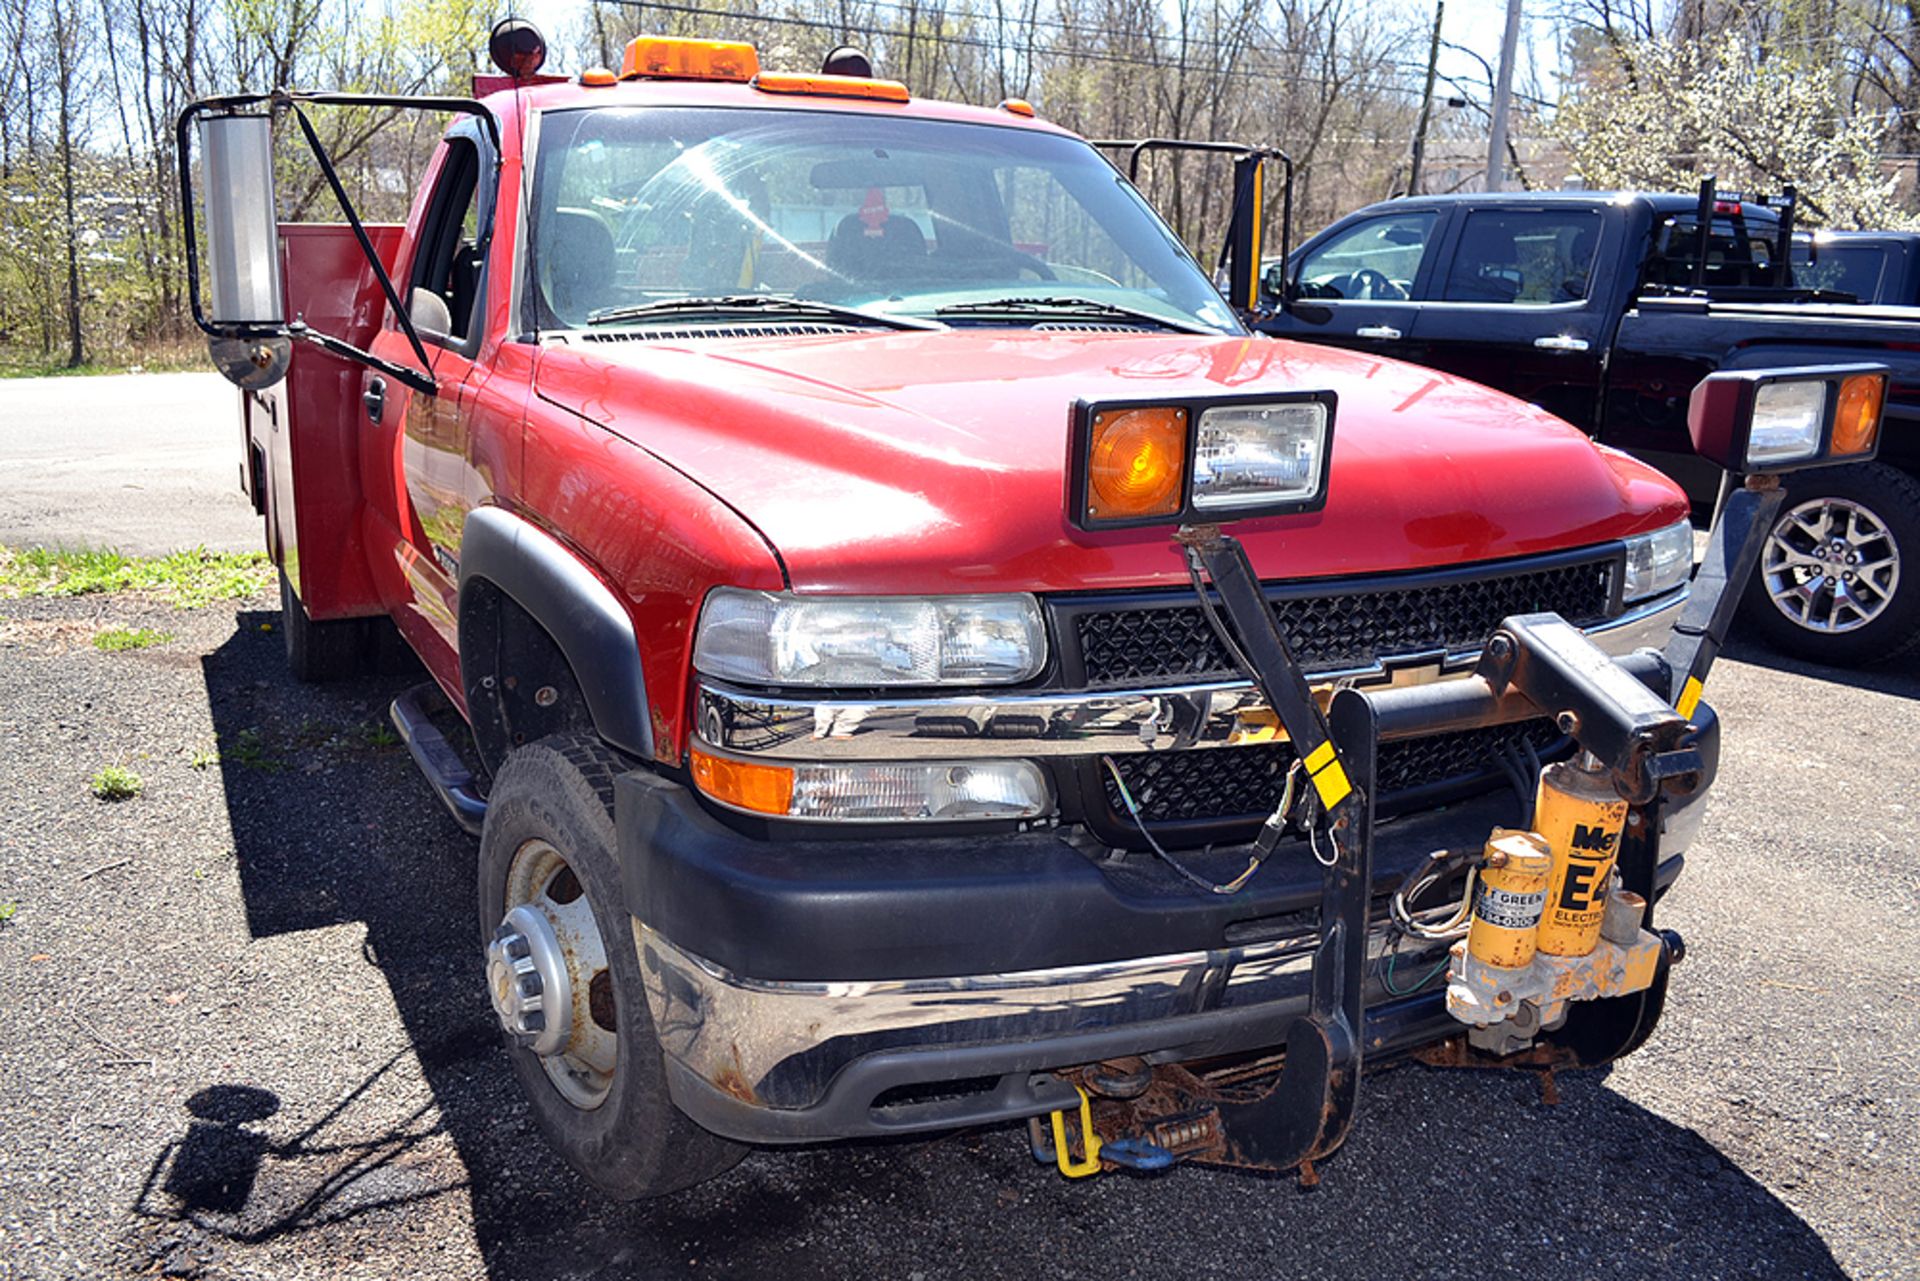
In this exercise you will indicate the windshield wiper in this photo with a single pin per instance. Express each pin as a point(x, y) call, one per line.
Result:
point(732, 304)
point(1072, 308)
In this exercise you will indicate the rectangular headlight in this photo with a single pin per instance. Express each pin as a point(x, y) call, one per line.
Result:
point(1254, 455)
point(1787, 418)
point(1658, 562)
point(778, 638)
point(1750, 421)
point(1189, 461)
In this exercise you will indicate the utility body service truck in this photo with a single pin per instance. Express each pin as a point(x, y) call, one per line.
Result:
point(913, 659)
point(1607, 309)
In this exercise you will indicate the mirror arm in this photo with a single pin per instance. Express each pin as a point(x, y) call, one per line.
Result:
point(414, 378)
point(400, 312)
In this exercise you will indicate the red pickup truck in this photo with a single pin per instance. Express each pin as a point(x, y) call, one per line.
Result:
point(812, 499)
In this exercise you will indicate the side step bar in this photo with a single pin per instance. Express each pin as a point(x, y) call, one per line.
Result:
point(446, 773)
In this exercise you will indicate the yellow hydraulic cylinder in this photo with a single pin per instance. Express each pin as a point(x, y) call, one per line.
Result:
point(1580, 817)
point(1509, 894)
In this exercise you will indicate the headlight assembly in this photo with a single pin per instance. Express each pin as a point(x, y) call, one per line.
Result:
point(775, 638)
point(1658, 562)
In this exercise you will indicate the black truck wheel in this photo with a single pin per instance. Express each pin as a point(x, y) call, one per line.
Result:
point(1835, 583)
point(553, 919)
point(327, 651)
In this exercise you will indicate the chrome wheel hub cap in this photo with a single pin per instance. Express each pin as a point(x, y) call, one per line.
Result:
point(548, 977)
point(1831, 565)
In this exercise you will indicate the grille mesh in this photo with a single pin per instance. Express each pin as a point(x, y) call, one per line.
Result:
point(1230, 783)
point(750, 329)
point(1355, 629)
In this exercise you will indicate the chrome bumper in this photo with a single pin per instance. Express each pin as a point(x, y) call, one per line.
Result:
point(1072, 723)
point(779, 1045)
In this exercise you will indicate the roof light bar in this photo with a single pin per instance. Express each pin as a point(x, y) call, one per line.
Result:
point(826, 86)
point(674, 58)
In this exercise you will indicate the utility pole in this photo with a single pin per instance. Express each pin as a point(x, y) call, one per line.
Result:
point(1502, 98)
point(1426, 101)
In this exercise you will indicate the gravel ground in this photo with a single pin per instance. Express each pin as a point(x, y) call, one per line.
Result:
point(250, 1037)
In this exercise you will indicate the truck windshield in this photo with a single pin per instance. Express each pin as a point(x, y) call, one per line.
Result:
point(908, 217)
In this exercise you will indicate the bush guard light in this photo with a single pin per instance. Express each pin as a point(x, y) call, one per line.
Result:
point(1778, 420)
point(1200, 461)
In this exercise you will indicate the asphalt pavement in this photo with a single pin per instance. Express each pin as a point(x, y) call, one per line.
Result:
point(145, 463)
point(248, 1035)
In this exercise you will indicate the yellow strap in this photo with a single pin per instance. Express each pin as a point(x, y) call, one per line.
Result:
point(1689, 700)
point(1320, 757)
point(1090, 1164)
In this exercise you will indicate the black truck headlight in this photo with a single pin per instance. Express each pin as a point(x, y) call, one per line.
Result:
point(1193, 462)
point(864, 642)
point(1774, 420)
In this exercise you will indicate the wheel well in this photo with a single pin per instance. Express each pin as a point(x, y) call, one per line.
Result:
point(520, 687)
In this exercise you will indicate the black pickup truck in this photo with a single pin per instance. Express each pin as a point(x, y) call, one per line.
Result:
point(1599, 307)
point(1873, 266)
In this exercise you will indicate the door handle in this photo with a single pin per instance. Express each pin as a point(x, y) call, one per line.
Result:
point(1385, 332)
point(1561, 342)
point(374, 398)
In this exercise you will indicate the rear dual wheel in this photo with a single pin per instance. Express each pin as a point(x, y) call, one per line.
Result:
point(565, 979)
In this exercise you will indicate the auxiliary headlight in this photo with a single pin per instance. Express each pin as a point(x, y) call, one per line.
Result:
point(857, 792)
point(774, 638)
point(1773, 420)
point(1194, 461)
point(1658, 562)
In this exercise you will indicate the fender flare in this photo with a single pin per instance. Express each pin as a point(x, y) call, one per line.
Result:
point(581, 613)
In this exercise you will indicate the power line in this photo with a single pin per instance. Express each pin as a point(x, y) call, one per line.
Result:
point(849, 28)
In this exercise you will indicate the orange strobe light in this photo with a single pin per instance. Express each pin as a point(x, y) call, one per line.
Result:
point(671, 58)
point(1137, 463)
point(1857, 420)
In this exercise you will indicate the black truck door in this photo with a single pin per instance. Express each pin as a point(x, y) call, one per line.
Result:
point(1361, 282)
point(1516, 303)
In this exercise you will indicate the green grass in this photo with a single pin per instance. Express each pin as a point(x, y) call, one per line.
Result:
point(250, 750)
point(118, 639)
point(115, 783)
point(188, 579)
point(379, 735)
point(6, 912)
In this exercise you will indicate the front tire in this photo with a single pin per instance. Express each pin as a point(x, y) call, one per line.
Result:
point(1838, 580)
point(590, 1065)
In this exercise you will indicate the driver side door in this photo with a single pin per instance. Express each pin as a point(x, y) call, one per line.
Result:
point(1361, 283)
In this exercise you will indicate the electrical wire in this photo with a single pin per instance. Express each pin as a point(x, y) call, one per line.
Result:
point(1205, 883)
point(1447, 922)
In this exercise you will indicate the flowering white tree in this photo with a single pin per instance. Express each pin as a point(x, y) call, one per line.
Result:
point(1663, 113)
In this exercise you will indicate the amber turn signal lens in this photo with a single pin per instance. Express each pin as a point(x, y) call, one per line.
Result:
point(1857, 421)
point(764, 789)
point(1136, 466)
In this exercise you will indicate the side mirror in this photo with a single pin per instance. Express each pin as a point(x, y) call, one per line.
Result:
point(1274, 281)
point(246, 303)
point(243, 232)
point(1777, 420)
point(429, 313)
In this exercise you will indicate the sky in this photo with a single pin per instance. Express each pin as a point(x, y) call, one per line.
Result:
point(1473, 24)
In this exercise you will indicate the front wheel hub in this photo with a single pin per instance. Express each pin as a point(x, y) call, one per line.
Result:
point(1831, 565)
point(527, 979)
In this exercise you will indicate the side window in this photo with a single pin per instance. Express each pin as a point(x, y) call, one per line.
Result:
point(1376, 259)
point(1527, 258)
point(446, 258)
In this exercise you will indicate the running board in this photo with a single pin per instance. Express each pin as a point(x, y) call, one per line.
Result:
point(445, 772)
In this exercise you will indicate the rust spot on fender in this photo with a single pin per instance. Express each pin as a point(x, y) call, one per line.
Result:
point(731, 1080)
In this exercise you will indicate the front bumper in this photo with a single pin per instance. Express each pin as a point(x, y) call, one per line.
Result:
point(808, 990)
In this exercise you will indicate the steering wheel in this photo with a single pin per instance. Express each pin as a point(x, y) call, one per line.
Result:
point(1375, 284)
point(1026, 262)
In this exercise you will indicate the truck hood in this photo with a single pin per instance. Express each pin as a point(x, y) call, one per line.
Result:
point(937, 462)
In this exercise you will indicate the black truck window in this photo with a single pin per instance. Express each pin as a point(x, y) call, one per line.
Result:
point(447, 259)
point(1739, 253)
point(1529, 258)
point(1376, 259)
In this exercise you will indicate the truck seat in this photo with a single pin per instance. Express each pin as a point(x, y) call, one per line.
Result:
point(579, 265)
point(897, 253)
